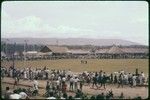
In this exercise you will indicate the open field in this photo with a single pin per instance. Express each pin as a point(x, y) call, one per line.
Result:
point(108, 65)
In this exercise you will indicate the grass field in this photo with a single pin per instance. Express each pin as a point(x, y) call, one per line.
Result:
point(108, 65)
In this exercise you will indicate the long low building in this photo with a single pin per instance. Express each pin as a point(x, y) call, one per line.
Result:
point(55, 50)
point(112, 52)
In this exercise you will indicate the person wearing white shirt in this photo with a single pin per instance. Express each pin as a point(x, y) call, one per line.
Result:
point(76, 83)
point(126, 78)
point(140, 79)
point(63, 79)
point(58, 84)
point(23, 95)
point(143, 77)
point(62, 98)
point(51, 98)
point(71, 83)
point(35, 87)
point(134, 80)
point(15, 96)
point(25, 74)
point(35, 82)
point(35, 90)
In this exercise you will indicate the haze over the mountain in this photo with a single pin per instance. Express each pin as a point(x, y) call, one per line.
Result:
point(71, 41)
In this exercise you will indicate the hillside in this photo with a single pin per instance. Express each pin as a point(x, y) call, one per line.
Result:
point(71, 41)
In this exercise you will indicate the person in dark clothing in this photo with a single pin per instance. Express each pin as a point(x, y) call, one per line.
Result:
point(111, 78)
point(81, 84)
point(100, 80)
point(46, 75)
point(7, 93)
point(47, 86)
point(16, 82)
point(104, 80)
point(115, 79)
point(70, 98)
point(92, 97)
point(94, 82)
point(65, 95)
point(120, 81)
point(100, 97)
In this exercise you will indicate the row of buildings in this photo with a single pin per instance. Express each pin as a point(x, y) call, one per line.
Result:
point(58, 52)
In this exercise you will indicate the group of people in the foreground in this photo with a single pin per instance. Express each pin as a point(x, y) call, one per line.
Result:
point(58, 81)
point(22, 93)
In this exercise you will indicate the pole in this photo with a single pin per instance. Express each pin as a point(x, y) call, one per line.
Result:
point(57, 42)
point(6, 47)
point(24, 51)
point(14, 59)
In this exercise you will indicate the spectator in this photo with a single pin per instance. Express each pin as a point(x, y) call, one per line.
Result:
point(120, 81)
point(51, 96)
point(47, 87)
point(64, 87)
point(104, 80)
point(35, 90)
point(133, 80)
point(76, 83)
point(81, 83)
point(15, 82)
point(23, 95)
point(71, 83)
point(7, 93)
point(70, 98)
point(92, 97)
point(94, 82)
point(15, 95)
point(121, 95)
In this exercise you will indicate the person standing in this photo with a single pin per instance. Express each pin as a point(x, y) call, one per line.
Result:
point(94, 82)
point(58, 85)
point(134, 80)
point(143, 77)
point(35, 86)
point(64, 87)
point(25, 74)
point(120, 81)
point(35, 90)
point(71, 83)
point(76, 83)
point(15, 82)
point(104, 80)
point(2, 73)
point(111, 78)
point(47, 86)
point(130, 79)
point(7, 93)
point(81, 83)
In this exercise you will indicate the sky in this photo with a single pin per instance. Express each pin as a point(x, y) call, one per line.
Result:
point(127, 20)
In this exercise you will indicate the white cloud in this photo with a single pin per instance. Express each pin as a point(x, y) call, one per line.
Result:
point(122, 20)
point(36, 26)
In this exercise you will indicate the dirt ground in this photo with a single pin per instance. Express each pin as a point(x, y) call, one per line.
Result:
point(128, 91)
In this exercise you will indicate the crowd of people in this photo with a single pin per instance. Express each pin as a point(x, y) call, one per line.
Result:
point(58, 81)
point(22, 93)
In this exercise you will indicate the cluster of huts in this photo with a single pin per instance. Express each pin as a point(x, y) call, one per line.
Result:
point(60, 52)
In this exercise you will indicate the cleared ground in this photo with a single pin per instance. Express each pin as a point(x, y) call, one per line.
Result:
point(128, 91)
point(108, 65)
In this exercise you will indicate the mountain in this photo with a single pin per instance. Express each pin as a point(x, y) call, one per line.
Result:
point(70, 41)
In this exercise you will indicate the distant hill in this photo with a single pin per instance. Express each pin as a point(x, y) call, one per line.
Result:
point(71, 41)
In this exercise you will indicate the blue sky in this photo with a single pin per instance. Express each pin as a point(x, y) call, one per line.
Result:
point(126, 20)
